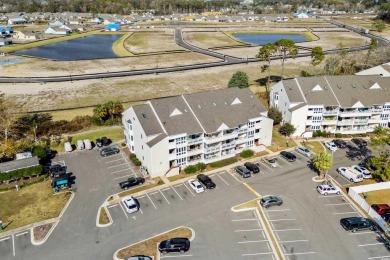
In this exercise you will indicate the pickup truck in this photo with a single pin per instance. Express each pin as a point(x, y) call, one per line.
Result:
point(131, 182)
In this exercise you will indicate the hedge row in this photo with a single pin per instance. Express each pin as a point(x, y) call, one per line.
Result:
point(21, 173)
point(194, 168)
point(134, 159)
point(223, 162)
point(40, 179)
point(247, 153)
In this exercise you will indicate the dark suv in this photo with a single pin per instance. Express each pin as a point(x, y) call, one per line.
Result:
point(243, 171)
point(206, 181)
point(288, 156)
point(252, 167)
point(109, 151)
point(174, 245)
point(356, 223)
point(359, 142)
point(340, 143)
point(131, 182)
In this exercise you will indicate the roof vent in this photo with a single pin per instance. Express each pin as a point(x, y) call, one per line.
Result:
point(144, 115)
point(199, 107)
point(185, 110)
point(364, 86)
point(338, 86)
point(214, 104)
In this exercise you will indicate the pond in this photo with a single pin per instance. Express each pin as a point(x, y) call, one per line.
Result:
point(262, 38)
point(85, 48)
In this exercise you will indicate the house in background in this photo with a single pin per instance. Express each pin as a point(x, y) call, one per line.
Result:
point(113, 27)
point(56, 24)
point(27, 35)
point(381, 70)
point(6, 30)
point(206, 127)
point(5, 41)
point(57, 31)
point(337, 104)
point(17, 20)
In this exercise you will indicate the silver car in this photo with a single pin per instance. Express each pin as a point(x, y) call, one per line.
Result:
point(269, 201)
point(304, 151)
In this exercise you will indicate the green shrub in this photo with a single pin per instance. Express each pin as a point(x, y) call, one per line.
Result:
point(247, 153)
point(123, 144)
point(132, 155)
point(364, 135)
point(190, 169)
point(338, 135)
point(17, 174)
point(200, 166)
point(223, 162)
point(305, 73)
point(136, 162)
point(40, 179)
point(39, 151)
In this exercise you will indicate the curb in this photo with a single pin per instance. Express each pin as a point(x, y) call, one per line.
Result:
point(109, 217)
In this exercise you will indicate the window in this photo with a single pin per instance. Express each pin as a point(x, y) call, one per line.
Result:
point(249, 144)
point(251, 133)
point(386, 108)
point(141, 136)
point(317, 119)
point(131, 137)
point(181, 161)
point(180, 140)
point(142, 147)
point(251, 124)
point(385, 116)
point(181, 150)
point(130, 127)
point(315, 127)
point(143, 158)
point(132, 148)
point(317, 110)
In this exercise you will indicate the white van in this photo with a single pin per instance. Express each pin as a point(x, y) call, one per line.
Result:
point(88, 144)
point(80, 145)
point(68, 147)
point(350, 174)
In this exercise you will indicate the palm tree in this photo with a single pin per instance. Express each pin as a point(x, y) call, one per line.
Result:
point(286, 47)
point(265, 53)
point(323, 162)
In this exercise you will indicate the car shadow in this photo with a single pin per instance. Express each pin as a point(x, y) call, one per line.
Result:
point(357, 154)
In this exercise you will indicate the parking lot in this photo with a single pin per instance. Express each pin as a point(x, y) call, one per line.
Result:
point(11, 245)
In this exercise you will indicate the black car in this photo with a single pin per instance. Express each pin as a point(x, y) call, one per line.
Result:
point(359, 142)
point(105, 141)
point(356, 223)
point(243, 171)
point(288, 156)
point(98, 142)
point(174, 245)
point(206, 181)
point(109, 151)
point(386, 217)
point(252, 167)
point(131, 182)
point(340, 143)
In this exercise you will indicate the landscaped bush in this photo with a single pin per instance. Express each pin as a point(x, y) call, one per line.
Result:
point(247, 153)
point(223, 162)
point(190, 169)
point(364, 135)
point(137, 162)
point(200, 166)
point(317, 133)
point(40, 179)
point(338, 135)
point(132, 156)
point(18, 174)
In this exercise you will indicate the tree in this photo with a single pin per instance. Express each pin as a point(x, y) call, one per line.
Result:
point(373, 45)
point(7, 148)
point(275, 114)
point(287, 129)
point(286, 47)
point(101, 112)
point(265, 53)
point(239, 79)
point(323, 162)
point(39, 151)
point(380, 165)
point(379, 25)
point(9, 113)
point(317, 56)
point(114, 108)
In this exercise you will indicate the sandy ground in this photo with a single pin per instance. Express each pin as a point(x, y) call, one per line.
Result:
point(209, 39)
point(331, 40)
point(249, 52)
point(141, 42)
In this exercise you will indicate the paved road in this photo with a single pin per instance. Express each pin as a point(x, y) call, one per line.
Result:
point(225, 60)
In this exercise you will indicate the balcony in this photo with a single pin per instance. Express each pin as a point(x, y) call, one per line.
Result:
point(243, 130)
point(374, 121)
point(352, 131)
point(352, 113)
point(330, 112)
point(360, 122)
point(376, 110)
point(227, 155)
point(194, 141)
point(212, 149)
point(328, 122)
point(212, 159)
point(194, 151)
point(194, 161)
point(229, 145)
point(345, 122)
point(230, 135)
point(172, 156)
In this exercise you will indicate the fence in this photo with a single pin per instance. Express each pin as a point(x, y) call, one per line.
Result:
point(354, 193)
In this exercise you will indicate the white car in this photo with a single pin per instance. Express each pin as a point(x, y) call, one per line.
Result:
point(271, 161)
point(130, 204)
point(304, 151)
point(326, 189)
point(350, 174)
point(331, 146)
point(196, 186)
point(68, 147)
point(366, 173)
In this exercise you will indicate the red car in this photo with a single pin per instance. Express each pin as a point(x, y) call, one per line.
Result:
point(381, 208)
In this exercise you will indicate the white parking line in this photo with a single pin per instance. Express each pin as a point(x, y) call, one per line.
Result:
point(13, 244)
point(115, 160)
point(120, 171)
point(248, 230)
point(375, 244)
point(124, 212)
point(285, 160)
point(22, 233)
point(164, 196)
point(117, 165)
point(188, 189)
point(140, 210)
point(152, 193)
point(283, 230)
point(244, 219)
point(140, 197)
point(151, 201)
point(337, 204)
point(293, 241)
point(283, 219)
point(223, 180)
point(254, 241)
point(166, 189)
point(267, 253)
point(329, 196)
point(342, 213)
point(362, 233)
point(380, 257)
point(108, 157)
point(177, 193)
point(266, 165)
point(4, 239)
point(212, 175)
point(111, 206)
point(179, 185)
point(173, 256)
point(272, 210)
point(124, 176)
point(302, 253)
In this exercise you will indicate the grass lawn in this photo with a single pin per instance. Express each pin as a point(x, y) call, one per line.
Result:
point(149, 247)
point(145, 187)
point(378, 196)
point(182, 176)
point(279, 142)
point(248, 204)
point(31, 204)
point(103, 217)
point(118, 46)
point(315, 147)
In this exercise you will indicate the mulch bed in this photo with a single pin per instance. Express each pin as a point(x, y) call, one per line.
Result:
point(40, 232)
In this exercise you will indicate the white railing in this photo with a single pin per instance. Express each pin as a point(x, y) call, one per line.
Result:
point(330, 112)
point(196, 140)
point(376, 110)
point(223, 156)
point(212, 159)
point(212, 149)
point(229, 145)
point(360, 121)
point(345, 122)
point(194, 161)
point(328, 122)
point(194, 151)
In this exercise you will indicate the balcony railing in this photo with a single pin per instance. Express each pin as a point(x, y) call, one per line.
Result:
point(212, 149)
point(329, 112)
point(194, 151)
point(361, 122)
point(377, 110)
point(196, 140)
point(194, 161)
point(229, 145)
point(345, 122)
point(328, 122)
point(227, 155)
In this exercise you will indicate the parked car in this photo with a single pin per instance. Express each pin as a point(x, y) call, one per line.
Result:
point(386, 217)
point(131, 182)
point(356, 223)
point(360, 169)
point(196, 186)
point(350, 174)
point(243, 171)
point(109, 151)
point(304, 151)
point(139, 257)
point(268, 201)
point(340, 143)
point(174, 245)
point(253, 168)
point(68, 147)
point(288, 156)
point(105, 141)
point(381, 209)
point(326, 189)
point(271, 161)
point(80, 145)
point(98, 142)
point(87, 144)
point(359, 142)
point(130, 204)
point(206, 181)
point(331, 146)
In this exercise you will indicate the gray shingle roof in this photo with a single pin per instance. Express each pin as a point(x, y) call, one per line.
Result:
point(18, 164)
point(147, 119)
point(292, 90)
point(156, 140)
point(297, 107)
point(311, 88)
